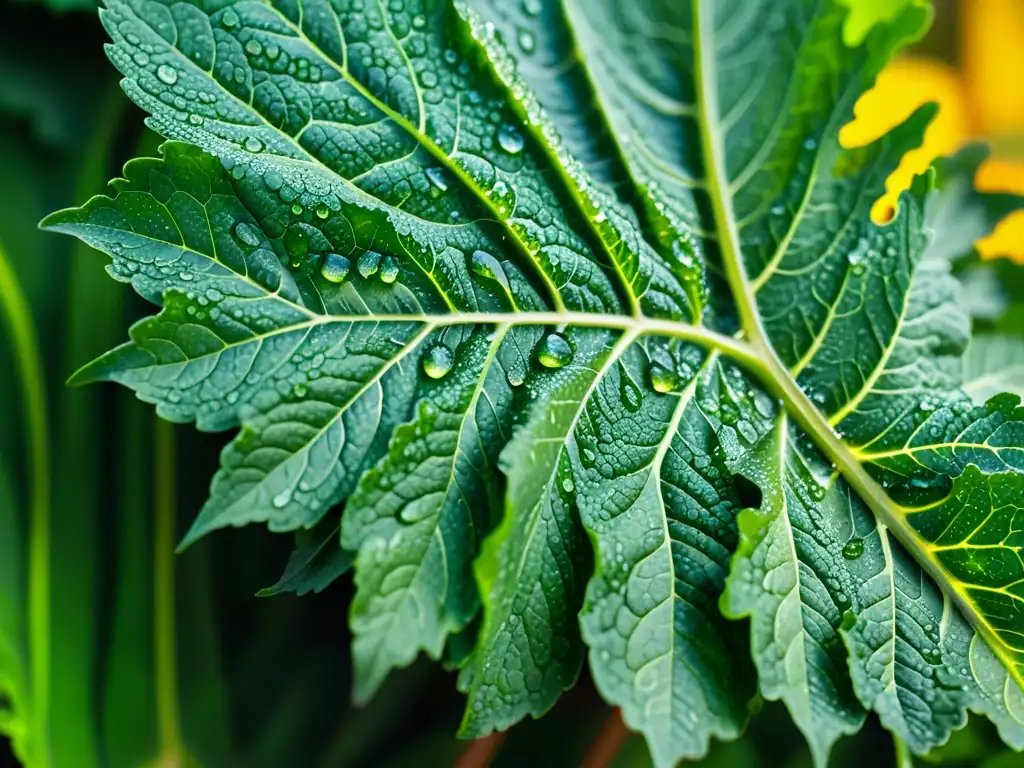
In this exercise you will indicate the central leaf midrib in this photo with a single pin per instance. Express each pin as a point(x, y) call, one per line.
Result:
point(773, 374)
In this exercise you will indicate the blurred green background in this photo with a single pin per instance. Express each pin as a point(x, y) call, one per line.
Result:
point(164, 660)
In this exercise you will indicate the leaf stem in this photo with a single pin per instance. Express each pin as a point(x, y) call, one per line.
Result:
point(609, 741)
point(164, 631)
point(480, 753)
point(16, 314)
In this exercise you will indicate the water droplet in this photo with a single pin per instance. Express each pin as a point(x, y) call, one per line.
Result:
point(322, 211)
point(282, 499)
point(663, 379)
point(436, 177)
point(567, 485)
point(516, 373)
point(297, 209)
point(388, 270)
point(437, 361)
point(588, 457)
point(335, 267)
point(629, 393)
point(554, 351)
point(247, 233)
point(296, 243)
point(168, 75)
point(527, 42)
point(230, 18)
point(532, 7)
point(368, 263)
point(300, 390)
point(252, 144)
point(254, 47)
point(854, 548)
point(510, 140)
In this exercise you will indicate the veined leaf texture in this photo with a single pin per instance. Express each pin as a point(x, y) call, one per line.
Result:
point(578, 310)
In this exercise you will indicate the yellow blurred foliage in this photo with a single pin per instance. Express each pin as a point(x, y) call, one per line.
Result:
point(983, 99)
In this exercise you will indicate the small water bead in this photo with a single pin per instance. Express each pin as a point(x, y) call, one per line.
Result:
point(510, 140)
point(247, 233)
point(436, 177)
point(254, 48)
point(853, 549)
point(527, 42)
point(368, 263)
point(229, 19)
point(297, 209)
point(516, 373)
point(388, 270)
point(437, 361)
point(554, 351)
point(629, 393)
point(252, 144)
point(335, 267)
point(663, 379)
point(322, 211)
point(532, 7)
point(168, 75)
point(300, 390)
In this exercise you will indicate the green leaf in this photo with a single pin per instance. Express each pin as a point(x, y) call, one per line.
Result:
point(501, 277)
point(317, 562)
point(994, 364)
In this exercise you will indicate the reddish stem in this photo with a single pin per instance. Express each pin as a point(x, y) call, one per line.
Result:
point(481, 752)
point(609, 741)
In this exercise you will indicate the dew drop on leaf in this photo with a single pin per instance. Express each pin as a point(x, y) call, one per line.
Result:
point(368, 263)
point(629, 393)
point(282, 499)
point(532, 7)
point(247, 233)
point(510, 140)
point(252, 144)
point(388, 270)
point(853, 549)
point(168, 75)
point(296, 243)
point(335, 267)
point(663, 379)
point(436, 177)
point(230, 18)
point(437, 361)
point(516, 373)
point(554, 351)
point(527, 42)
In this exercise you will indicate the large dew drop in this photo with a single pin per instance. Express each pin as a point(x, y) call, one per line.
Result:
point(663, 379)
point(437, 361)
point(247, 233)
point(167, 75)
point(554, 351)
point(368, 263)
point(335, 267)
point(510, 140)
point(388, 270)
point(853, 549)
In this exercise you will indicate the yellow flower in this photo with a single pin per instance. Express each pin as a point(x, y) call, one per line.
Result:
point(983, 99)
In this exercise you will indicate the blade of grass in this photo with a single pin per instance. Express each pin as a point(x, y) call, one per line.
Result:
point(29, 370)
